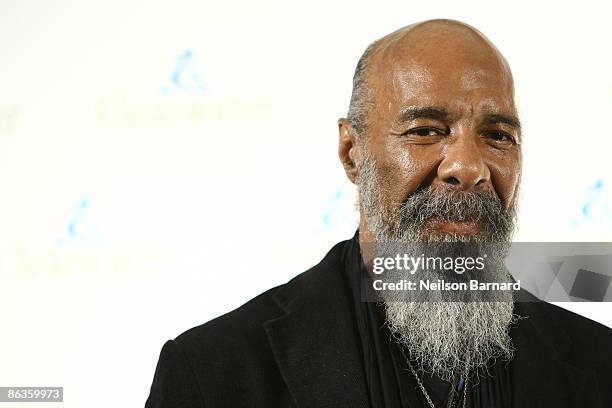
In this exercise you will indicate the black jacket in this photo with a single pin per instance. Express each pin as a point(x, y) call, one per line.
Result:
point(296, 345)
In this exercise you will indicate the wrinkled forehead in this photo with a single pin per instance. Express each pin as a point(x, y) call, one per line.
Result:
point(455, 68)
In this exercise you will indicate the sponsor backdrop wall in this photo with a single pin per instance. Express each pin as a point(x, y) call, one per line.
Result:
point(161, 163)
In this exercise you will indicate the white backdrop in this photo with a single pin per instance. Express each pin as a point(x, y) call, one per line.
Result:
point(161, 163)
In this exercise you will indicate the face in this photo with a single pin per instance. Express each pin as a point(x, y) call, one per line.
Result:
point(445, 120)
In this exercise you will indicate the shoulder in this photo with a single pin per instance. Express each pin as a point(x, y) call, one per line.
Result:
point(575, 321)
point(241, 329)
point(226, 357)
point(579, 327)
point(589, 342)
point(233, 356)
point(582, 330)
point(212, 362)
point(241, 334)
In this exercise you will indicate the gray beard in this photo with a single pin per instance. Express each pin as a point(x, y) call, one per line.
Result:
point(447, 334)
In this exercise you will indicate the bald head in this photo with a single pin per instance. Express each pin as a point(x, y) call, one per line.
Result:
point(448, 46)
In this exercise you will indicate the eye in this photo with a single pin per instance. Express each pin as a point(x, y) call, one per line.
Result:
point(499, 136)
point(425, 131)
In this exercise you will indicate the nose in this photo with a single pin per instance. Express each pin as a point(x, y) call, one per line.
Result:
point(463, 167)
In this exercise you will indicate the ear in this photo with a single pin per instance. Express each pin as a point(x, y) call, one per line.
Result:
point(348, 149)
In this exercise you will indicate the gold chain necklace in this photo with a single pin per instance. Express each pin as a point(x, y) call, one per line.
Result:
point(422, 387)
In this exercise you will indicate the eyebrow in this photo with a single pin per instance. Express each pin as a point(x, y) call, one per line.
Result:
point(494, 118)
point(429, 112)
point(441, 114)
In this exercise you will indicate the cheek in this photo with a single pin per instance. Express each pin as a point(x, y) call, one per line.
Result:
point(403, 170)
point(505, 176)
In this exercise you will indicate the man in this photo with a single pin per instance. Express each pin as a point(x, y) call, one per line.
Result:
point(433, 143)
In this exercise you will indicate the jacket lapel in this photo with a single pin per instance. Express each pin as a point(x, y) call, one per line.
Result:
point(315, 343)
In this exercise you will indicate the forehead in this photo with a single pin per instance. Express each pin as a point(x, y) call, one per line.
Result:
point(457, 72)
